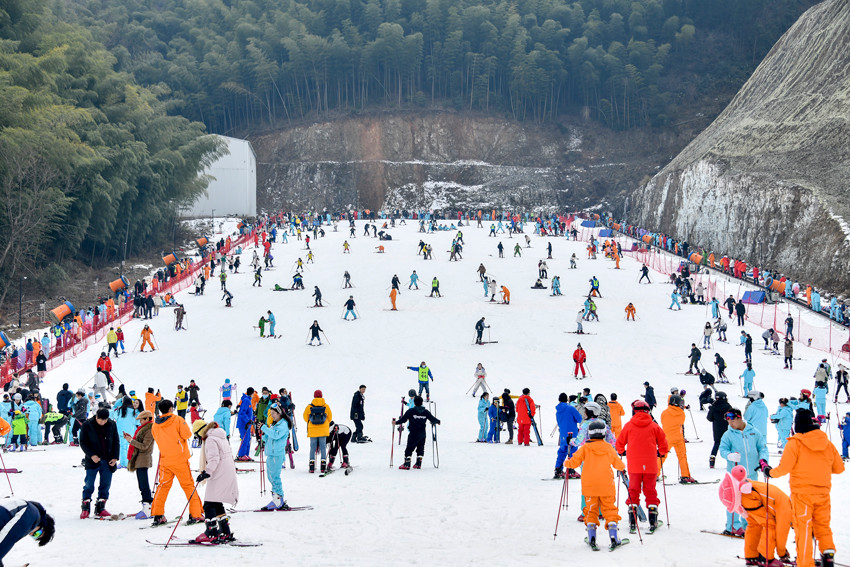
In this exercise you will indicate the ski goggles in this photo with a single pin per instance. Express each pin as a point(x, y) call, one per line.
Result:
point(36, 534)
point(731, 415)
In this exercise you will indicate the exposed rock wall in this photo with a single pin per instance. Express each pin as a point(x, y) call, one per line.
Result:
point(767, 181)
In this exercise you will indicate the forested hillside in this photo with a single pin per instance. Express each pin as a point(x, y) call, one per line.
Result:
point(89, 160)
point(239, 65)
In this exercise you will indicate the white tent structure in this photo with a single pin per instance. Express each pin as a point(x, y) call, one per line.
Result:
point(233, 189)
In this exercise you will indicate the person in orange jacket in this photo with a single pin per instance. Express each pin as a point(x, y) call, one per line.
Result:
point(616, 411)
point(597, 481)
point(147, 338)
point(170, 432)
point(811, 460)
point(393, 296)
point(151, 401)
point(5, 428)
point(630, 312)
point(524, 405)
point(760, 505)
point(673, 424)
point(506, 295)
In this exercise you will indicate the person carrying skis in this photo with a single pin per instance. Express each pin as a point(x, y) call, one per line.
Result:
point(318, 416)
point(579, 357)
point(525, 414)
point(244, 419)
point(695, 356)
point(568, 418)
point(424, 375)
point(597, 482)
point(315, 329)
point(140, 459)
point(741, 444)
point(673, 423)
point(275, 438)
point(811, 459)
point(416, 418)
point(630, 312)
point(99, 442)
point(218, 472)
point(358, 414)
point(644, 273)
point(645, 441)
point(479, 330)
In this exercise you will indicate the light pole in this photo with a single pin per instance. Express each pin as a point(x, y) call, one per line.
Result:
point(20, 300)
point(212, 222)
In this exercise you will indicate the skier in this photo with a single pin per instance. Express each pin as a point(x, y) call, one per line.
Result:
point(480, 375)
point(258, 277)
point(789, 326)
point(506, 295)
point(645, 441)
point(748, 376)
point(741, 312)
point(481, 271)
point(358, 414)
point(492, 290)
point(393, 296)
point(99, 442)
point(715, 308)
point(228, 297)
point(349, 307)
point(315, 329)
point(508, 415)
point(479, 330)
point(415, 418)
point(318, 415)
point(573, 261)
point(843, 427)
point(423, 375)
point(337, 440)
point(644, 273)
point(716, 414)
point(579, 357)
point(19, 518)
point(140, 459)
point(414, 280)
point(811, 460)
point(435, 287)
point(649, 396)
point(741, 444)
point(271, 321)
point(756, 412)
point(495, 422)
point(517, 250)
point(820, 391)
point(219, 474)
point(579, 319)
point(501, 250)
point(147, 338)
point(597, 482)
point(695, 356)
point(783, 419)
point(483, 410)
point(181, 401)
point(707, 331)
point(525, 414)
point(673, 423)
point(568, 419)
point(170, 433)
point(244, 419)
point(674, 297)
point(275, 438)
point(630, 312)
point(841, 378)
point(594, 287)
point(346, 280)
point(317, 293)
point(222, 416)
point(556, 286)
point(226, 390)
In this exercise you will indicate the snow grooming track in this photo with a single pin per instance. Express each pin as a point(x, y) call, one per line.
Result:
point(456, 499)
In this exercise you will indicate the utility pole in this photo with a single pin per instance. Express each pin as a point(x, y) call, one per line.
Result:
point(20, 300)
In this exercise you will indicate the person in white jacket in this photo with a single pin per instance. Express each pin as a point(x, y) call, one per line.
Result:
point(218, 472)
point(579, 319)
point(480, 382)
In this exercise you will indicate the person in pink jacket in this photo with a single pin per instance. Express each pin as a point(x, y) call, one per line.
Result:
point(218, 471)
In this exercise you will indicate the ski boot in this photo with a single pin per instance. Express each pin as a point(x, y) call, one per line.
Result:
point(323, 466)
point(591, 537)
point(86, 509)
point(145, 512)
point(158, 521)
point(633, 518)
point(653, 518)
point(574, 474)
point(210, 535)
point(100, 509)
point(827, 558)
point(330, 463)
point(345, 464)
point(613, 533)
point(406, 465)
point(711, 462)
point(418, 464)
point(559, 473)
point(688, 480)
point(194, 520)
point(224, 533)
point(312, 466)
point(274, 504)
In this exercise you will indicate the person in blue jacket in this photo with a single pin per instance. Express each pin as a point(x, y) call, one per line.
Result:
point(804, 402)
point(20, 518)
point(483, 410)
point(424, 376)
point(744, 445)
point(33, 410)
point(748, 375)
point(568, 418)
point(556, 286)
point(715, 308)
point(124, 413)
point(222, 416)
point(243, 423)
point(275, 437)
point(674, 297)
point(495, 424)
point(783, 419)
point(844, 426)
point(756, 412)
point(820, 392)
point(271, 321)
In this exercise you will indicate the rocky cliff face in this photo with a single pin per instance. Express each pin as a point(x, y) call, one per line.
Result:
point(435, 160)
point(767, 181)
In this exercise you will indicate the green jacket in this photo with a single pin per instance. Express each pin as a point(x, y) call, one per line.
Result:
point(20, 425)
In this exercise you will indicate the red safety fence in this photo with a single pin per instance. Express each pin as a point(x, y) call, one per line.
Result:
point(74, 342)
point(814, 331)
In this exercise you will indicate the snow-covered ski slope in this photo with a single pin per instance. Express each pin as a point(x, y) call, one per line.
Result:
point(486, 504)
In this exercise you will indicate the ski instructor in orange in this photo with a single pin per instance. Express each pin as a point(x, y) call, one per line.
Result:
point(811, 459)
point(171, 433)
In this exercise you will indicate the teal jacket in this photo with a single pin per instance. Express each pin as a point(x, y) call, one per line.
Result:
point(274, 438)
point(749, 443)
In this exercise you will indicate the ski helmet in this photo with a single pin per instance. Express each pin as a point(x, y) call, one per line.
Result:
point(640, 405)
point(676, 400)
point(720, 395)
point(592, 409)
point(596, 429)
point(411, 393)
point(674, 390)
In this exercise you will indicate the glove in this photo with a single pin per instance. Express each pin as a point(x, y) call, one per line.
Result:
point(734, 457)
point(203, 476)
point(765, 468)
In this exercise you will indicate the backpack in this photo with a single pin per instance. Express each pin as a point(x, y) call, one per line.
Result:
point(317, 415)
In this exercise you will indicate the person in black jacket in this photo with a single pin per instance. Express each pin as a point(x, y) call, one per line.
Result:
point(508, 414)
point(79, 410)
point(41, 364)
point(479, 330)
point(649, 396)
point(730, 305)
point(740, 311)
point(716, 413)
point(338, 438)
point(705, 399)
point(358, 414)
point(99, 441)
point(695, 356)
point(415, 418)
point(63, 400)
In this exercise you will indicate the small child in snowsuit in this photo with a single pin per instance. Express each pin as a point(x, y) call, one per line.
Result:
point(844, 426)
point(495, 426)
point(20, 426)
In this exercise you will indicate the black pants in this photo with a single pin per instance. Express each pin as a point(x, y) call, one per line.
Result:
point(417, 443)
point(644, 276)
point(57, 428)
point(838, 389)
point(144, 485)
point(76, 430)
point(181, 413)
point(213, 510)
point(741, 320)
point(510, 426)
point(358, 428)
point(790, 364)
point(716, 446)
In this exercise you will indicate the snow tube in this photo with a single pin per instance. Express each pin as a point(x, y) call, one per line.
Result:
point(616, 226)
point(4, 340)
point(118, 284)
point(647, 239)
point(240, 225)
point(606, 232)
point(777, 286)
point(65, 309)
point(202, 241)
point(170, 259)
point(768, 281)
point(695, 258)
point(594, 216)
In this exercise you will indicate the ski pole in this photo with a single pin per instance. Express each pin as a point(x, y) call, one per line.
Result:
point(262, 471)
point(564, 502)
point(392, 446)
point(137, 343)
point(766, 517)
point(180, 519)
point(12, 490)
point(634, 509)
point(664, 488)
point(326, 337)
point(693, 422)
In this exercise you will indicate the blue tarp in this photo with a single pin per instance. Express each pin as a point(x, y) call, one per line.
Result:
point(753, 297)
point(588, 223)
point(606, 232)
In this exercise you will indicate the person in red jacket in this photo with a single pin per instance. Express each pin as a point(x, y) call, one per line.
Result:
point(579, 356)
point(524, 405)
point(645, 441)
point(104, 364)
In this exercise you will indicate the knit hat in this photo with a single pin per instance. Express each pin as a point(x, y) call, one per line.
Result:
point(317, 394)
point(804, 421)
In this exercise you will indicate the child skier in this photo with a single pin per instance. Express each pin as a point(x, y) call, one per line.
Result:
point(222, 416)
point(275, 436)
point(597, 483)
point(495, 424)
point(415, 418)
